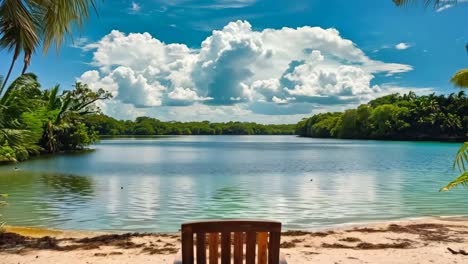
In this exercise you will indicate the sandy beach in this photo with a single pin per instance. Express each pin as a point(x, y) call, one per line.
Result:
point(433, 240)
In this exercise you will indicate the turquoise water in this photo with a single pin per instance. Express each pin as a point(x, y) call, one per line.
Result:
point(156, 184)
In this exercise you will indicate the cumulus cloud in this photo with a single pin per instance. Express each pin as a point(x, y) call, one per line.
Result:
point(402, 46)
point(273, 71)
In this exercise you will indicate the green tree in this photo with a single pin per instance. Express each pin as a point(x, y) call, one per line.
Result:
point(347, 127)
point(386, 121)
point(63, 129)
point(34, 120)
point(27, 24)
point(406, 116)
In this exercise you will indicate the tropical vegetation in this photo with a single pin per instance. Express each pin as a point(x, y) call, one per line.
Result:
point(143, 126)
point(395, 117)
point(35, 121)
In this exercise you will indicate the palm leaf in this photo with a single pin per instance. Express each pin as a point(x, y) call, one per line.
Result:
point(426, 2)
point(461, 159)
point(460, 79)
point(461, 180)
point(60, 16)
point(27, 82)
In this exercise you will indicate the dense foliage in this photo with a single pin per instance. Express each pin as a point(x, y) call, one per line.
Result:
point(395, 116)
point(35, 121)
point(105, 125)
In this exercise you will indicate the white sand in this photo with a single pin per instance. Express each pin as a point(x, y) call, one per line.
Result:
point(423, 241)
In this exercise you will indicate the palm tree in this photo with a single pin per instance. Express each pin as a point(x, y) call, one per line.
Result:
point(17, 100)
point(25, 24)
point(17, 30)
point(63, 110)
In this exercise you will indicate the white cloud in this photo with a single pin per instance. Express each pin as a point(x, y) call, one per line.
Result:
point(181, 94)
point(79, 42)
point(135, 8)
point(402, 46)
point(222, 4)
point(273, 71)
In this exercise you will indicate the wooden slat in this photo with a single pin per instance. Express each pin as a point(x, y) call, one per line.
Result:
point(214, 254)
point(187, 245)
point(274, 248)
point(235, 226)
point(201, 248)
point(262, 242)
point(238, 248)
point(250, 245)
point(225, 248)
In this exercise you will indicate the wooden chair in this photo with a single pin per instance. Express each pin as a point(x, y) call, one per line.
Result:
point(262, 242)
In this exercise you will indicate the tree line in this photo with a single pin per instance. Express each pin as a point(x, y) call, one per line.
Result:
point(395, 117)
point(143, 126)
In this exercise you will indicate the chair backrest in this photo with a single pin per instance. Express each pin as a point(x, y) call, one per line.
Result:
point(262, 241)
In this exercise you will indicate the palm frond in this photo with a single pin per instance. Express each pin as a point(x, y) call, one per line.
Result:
point(59, 18)
point(460, 79)
point(436, 4)
point(461, 159)
point(28, 83)
point(426, 2)
point(18, 27)
point(461, 180)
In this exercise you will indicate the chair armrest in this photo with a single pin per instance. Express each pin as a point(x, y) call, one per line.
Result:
point(178, 258)
point(282, 259)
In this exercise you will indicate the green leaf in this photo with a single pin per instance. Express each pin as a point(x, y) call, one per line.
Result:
point(460, 79)
point(461, 159)
point(461, 180)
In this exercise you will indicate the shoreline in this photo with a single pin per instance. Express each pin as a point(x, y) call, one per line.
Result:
point(434, 140)
point(20, 229)
point(423, 240)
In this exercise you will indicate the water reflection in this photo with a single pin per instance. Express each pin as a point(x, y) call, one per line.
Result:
point(41, 199)
point(155, 185)
point(65, 185)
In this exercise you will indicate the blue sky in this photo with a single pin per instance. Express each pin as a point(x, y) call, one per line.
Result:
point(267, 61)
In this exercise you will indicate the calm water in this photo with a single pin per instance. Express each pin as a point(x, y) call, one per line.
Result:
point(156, 184)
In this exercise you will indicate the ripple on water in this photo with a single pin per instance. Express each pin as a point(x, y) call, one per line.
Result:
point(155, 185)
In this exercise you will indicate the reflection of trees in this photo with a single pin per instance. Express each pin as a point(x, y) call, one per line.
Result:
point(64, 185)
point(43, 199)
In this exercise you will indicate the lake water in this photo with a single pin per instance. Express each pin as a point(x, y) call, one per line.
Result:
point(156, 184)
